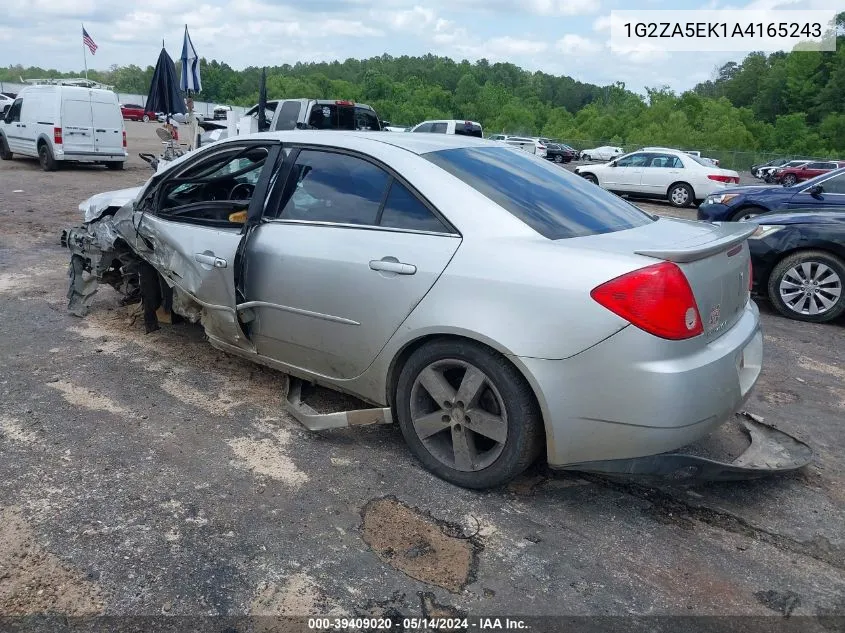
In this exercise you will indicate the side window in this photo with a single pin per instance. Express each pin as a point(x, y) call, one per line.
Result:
point(815, 166)
point(403, 210)
point(634, 160)
point(14, 113)
point(665, 161)
point(829, 166)
point(288, 116)
point(835, 184)
point(366, 120)
point(439, 128)
point(332, 187)
point(425, 127)
point(228, 178)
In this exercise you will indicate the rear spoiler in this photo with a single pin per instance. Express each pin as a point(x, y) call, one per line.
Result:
point(732, 234)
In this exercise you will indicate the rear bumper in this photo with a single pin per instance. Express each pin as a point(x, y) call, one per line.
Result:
point(634, 395)
point(91, 157)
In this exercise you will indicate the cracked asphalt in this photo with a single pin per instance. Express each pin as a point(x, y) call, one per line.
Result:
point(151, 474)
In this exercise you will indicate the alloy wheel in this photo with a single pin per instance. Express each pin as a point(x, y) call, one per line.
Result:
point(459, 415)
point(810, 288)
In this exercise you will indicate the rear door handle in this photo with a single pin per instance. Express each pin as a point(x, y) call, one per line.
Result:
point(22, 125)
point(211, 260)
point(388, 266)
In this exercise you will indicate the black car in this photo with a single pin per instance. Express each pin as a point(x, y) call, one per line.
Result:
point(798, 263)
point(737, 203)
point(560, 153)
point(777, 162)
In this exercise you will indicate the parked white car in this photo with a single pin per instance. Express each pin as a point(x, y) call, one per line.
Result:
point(671, 174)
point(56, 123)
point(450, 126)
point(605, 152)
point(527, 144)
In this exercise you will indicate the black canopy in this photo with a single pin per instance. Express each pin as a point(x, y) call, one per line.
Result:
point(164, 93)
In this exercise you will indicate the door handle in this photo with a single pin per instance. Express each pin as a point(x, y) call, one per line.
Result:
point(389, 266)
point(211, 260)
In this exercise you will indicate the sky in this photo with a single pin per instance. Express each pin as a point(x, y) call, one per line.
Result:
point(561, 37)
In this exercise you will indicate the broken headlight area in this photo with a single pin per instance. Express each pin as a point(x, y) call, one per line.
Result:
point(100, 256)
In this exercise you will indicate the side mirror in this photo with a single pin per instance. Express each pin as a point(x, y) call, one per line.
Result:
point(4, 111)
point(613, 163)
point(816, 191)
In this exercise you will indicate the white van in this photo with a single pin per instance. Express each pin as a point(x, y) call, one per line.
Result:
point(64, 123)
point(450, 126)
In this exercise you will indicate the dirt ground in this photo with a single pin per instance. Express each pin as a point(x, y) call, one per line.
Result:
point(151, 474)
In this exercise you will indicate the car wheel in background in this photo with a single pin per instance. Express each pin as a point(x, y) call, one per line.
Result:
point(586, 157)
point(45, 158)
point(680, 195)
point(808, 286)
point(747, 213)
point(115, 165)
point(146, 119)
point(558, 158)
point(591, 178)
point(789, 180)
point(5, 153)
point(468, 414)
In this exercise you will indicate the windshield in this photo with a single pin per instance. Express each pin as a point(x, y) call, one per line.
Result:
point(552, 201)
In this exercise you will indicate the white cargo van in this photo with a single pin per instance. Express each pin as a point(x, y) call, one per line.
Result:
point(55, 123)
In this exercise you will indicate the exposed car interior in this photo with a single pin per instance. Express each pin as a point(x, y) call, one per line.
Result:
point(215, 192)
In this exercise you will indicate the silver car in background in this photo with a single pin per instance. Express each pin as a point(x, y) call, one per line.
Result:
point(492, 304)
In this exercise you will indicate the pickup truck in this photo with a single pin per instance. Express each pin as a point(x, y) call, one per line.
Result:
point(290, 114)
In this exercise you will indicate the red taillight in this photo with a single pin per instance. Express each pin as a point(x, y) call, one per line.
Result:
point(124, 138)
point(720, 178)
point(657, 299)
point(57, 136)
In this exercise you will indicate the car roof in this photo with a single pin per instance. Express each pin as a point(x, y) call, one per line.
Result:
point(412, 142)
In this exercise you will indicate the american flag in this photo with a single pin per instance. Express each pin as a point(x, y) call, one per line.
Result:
point(86, 39)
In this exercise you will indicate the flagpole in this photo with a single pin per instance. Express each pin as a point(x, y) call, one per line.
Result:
point(84, 55)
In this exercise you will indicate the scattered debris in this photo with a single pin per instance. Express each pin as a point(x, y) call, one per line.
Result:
point(782, 602)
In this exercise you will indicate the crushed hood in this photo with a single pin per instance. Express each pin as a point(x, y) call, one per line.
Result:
point(94, 206)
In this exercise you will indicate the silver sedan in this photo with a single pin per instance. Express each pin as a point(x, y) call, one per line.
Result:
point(493, 305)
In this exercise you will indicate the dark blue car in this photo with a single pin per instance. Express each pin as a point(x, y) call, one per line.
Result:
point(825, 192)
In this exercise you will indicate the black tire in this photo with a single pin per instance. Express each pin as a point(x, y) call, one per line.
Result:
point(115, 165)
point(592, 179)
point(832, 262)
point(587, 157)
point(558, 158)
point(767, 178)
point(5, 152)
point(524, 426)
point(680, 195)
point(789, 180)
point(46, 159)
point(145, 119)
point(747, 212)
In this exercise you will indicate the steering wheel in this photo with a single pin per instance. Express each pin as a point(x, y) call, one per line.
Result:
point(244, 188)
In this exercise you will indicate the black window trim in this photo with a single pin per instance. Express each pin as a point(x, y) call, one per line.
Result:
point(393, 175)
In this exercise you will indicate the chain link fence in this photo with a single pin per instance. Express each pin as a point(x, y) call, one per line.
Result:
point(738, 160)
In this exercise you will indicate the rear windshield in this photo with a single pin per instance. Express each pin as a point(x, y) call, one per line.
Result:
point(331, 116)
point(468, 129)
point(552, 201)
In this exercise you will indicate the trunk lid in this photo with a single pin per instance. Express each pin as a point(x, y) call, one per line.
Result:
point(714, 258)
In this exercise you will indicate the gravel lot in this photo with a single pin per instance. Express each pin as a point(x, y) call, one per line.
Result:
point(151, 474)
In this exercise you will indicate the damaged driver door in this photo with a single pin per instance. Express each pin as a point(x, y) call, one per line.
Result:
point(190, 225)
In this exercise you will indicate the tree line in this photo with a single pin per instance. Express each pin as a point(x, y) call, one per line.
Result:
point(785, 103)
